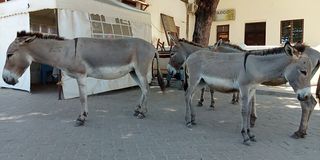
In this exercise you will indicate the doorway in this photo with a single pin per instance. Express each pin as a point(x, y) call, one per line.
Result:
point(45, 22)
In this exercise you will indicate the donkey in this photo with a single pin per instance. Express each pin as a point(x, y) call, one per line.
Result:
point(180, 52)
point(80, 58)
point(231, 72)
point(314, 57)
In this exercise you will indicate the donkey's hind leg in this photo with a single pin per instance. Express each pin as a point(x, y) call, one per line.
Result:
point(249, 121)
point(212, 99)
point(190, 114)
point(83, 100)
point(253, 115)
point(200, 103)
point(141, 109)
point(235, 98)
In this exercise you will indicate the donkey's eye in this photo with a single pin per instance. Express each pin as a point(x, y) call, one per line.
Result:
point(303, 72)
point(9, 55)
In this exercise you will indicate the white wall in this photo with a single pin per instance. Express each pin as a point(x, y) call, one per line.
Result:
point(174, 8)
point(8, 32)
point(272, 12)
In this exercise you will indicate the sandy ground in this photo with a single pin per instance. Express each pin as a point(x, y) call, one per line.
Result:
point(38, 126)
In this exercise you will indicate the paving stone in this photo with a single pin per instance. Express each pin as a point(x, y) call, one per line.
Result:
point(38, 126)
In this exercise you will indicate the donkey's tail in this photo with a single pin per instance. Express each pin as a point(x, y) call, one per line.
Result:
point(318, 89)
point(159, 74)
point(185, 85)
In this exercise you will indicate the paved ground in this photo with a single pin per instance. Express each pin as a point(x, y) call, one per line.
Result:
point(38, 126)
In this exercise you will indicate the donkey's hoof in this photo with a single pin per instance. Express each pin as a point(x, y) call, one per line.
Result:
point(193, 123)
point(246, 142)
point(141, 115)
point(200, 104)
point(189, 125)
point(79, 122)
point(253, 138)
point(234, 102)
point(211, 107)
point(298, 135)
point(136, 113)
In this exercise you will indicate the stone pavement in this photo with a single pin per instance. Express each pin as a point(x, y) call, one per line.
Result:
point(37, 126)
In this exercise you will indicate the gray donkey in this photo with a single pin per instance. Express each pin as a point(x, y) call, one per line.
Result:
point(180, 52)
point(230, 72)
point(80, 58)
point(312, 54)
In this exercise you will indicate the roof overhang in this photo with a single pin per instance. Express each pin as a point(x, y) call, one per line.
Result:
point(16, 7)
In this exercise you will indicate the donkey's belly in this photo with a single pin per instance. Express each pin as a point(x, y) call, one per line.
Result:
point(221, 84)
point(110, 72)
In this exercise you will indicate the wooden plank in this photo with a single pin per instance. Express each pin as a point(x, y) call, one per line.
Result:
point(169, 26)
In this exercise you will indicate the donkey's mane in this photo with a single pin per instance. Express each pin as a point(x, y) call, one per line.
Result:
point(38, 35)
point(233, 46)
point(265, 52)
point(192, 43)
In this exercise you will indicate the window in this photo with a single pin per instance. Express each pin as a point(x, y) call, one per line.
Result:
point(107, 27)
point(255, 33)
point(43, 28)
point(136, 4)
point(223, 32)
point(130, 3)
point(292, 31)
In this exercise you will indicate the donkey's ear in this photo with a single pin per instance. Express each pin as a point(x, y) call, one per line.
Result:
point(30, 39)
point(27, 39)
point(21, 34)
point(288, 49)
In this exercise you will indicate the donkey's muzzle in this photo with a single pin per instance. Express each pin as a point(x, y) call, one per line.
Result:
point(302, 98)
point(304, 94)
point(10, 81)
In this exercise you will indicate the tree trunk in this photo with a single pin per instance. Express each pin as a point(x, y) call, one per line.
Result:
point(204, 16)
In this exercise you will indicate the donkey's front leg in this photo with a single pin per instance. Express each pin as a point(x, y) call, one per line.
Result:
point(142, 109)
point(83, 100)
point(307, 107)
